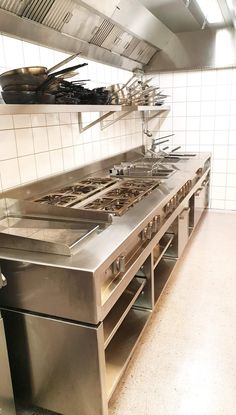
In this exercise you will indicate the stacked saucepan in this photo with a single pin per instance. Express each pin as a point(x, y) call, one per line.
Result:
point(34, 84)
point(136, 92)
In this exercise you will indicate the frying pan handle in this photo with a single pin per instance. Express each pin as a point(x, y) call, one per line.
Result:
point(71, 68)
point(58, 65)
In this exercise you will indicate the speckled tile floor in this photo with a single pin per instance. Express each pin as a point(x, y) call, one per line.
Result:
point(186, 362)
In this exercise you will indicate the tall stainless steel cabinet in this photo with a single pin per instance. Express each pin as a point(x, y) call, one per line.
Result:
point(7, 406)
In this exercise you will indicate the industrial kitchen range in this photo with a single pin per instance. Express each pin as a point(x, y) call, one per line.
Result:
point(86, 255)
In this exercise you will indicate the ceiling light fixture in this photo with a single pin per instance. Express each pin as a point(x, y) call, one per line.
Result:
point(211, 11)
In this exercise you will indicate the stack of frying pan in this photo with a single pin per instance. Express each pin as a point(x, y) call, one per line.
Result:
point(35, 84)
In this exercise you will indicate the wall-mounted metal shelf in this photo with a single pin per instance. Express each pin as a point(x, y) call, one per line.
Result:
point(104, 110)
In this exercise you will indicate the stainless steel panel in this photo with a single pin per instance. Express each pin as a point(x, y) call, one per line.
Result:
point(57, 365)
point(7, 406)
point(48, 290)
point(196, 50)
point(136, 19)
point(82, 23)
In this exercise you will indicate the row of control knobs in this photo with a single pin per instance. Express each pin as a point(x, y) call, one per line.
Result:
point(176, 199)
point(151, 229)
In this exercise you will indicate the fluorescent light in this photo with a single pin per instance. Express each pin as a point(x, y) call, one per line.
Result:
point(211, 10)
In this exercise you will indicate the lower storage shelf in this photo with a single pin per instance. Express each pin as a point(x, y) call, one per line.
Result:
point(120, 349)
point(117, 314)
point(162, 274)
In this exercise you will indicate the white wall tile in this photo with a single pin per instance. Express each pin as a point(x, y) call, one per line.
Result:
point(219, 166)
point(43, 165)
point(193, 109)
point(7, 144)
point(13, 52)
point(166, 80)
point(208, 93)
point(27, 168)
point(193, 93)
point(40, 137)
point(222, 122)
point(179, 94)
point(66, 135)
point(231, 180)
point(68, 158)
point(231, 166)
point(179, 109)
point(220, 152)
point(179, 123)
point(217, 204)
point(65, 118)
point(56, 160)
point(218, 193)
point(232, 152)
point(208, 108)
point(194, 78)
point(6, 122)
point(24, 141)
point(219, 179)
point(38, 120)
point(193, 124)
point(230, 205)
point(22, 120)
point(231, 193)
point(207, 123)
point(31, 54)
point(10, 174)
point(52, 119)
point(54, 137)
point(179, 79)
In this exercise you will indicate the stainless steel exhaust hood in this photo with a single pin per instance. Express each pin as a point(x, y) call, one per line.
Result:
point(102, 31)
point(151, 35)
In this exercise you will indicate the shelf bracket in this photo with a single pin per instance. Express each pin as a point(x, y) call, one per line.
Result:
point(157, 112)
point(109, 123)
point(91, 124)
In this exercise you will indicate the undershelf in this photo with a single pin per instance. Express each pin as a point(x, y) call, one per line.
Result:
point(120, 349)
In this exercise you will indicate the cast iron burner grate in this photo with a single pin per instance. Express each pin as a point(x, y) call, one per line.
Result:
point(129, 192)
point(77, 192)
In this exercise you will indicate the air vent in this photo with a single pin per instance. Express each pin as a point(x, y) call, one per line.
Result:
point(37, 10)
point(14, 6)
point(143, 52)
point(102, 33)
point(130, 48)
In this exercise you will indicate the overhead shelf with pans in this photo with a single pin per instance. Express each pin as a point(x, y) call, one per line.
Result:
point(104, 110)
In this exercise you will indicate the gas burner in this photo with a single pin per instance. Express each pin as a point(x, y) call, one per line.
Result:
point(117, 201)
point(57, 199)
point(97, 181)
point(77, 189)
point(77, 192)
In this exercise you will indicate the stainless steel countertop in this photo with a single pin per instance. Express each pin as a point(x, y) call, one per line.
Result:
point(97, 250)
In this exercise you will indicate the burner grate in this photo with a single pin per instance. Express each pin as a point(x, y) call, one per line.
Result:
point(77, 192)
point(117, 201)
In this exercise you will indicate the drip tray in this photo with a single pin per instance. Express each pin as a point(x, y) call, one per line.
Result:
point(59, 237)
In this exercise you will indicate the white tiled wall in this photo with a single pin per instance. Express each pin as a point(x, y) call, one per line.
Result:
point(33, 146)
point(203, 118)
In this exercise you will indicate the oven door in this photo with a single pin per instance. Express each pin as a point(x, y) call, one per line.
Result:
point(7, 406)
